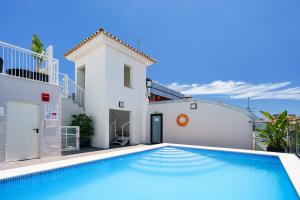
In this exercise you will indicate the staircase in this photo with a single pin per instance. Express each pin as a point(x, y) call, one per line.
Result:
point(70, 90)
point(121, 136)
point(73, 98)
point(121, 140)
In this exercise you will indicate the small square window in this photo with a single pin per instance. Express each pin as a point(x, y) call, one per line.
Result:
point(127, 76)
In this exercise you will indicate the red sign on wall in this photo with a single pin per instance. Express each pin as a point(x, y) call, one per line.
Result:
point(45, 97)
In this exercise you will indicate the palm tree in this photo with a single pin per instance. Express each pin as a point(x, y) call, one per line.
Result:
point(37, 47)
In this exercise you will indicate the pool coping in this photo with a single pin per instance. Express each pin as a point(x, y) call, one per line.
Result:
point(290, 162)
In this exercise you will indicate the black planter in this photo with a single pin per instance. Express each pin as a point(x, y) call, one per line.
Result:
point(23, 73)
point(274, 149)
point(85, 142)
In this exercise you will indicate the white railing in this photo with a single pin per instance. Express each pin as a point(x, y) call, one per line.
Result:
point(298, 143)
point(70, 138)
point(123, 126)
point(292, 137)
point(113, 129)
point(23, 63)
point(71, 90)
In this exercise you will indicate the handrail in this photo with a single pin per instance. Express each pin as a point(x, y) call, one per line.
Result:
point(127, 123)
point(73, 82)
point(71, 90)
point(115, 129)
point(78, 86)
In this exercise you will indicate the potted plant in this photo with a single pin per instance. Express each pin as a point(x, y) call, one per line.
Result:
point(37, 47)
point(274, 132)
point(39, 57)
point(86, 128)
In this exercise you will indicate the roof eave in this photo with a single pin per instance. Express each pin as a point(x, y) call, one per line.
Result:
point(98, 32)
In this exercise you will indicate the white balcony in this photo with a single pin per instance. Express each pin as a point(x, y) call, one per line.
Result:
point(23, 63)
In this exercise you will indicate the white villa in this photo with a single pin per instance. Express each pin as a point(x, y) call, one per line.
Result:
point(110, 86)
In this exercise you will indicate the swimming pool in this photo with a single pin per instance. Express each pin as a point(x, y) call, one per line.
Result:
point(163, 173)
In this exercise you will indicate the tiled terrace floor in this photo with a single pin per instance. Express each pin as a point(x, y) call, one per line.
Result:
point(66, 155)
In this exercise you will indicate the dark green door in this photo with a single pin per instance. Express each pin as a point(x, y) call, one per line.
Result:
point(156, 128)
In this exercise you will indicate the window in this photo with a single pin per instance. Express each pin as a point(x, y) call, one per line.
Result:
point(127, 78)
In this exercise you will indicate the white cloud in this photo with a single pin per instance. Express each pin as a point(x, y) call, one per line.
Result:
point(240, 90)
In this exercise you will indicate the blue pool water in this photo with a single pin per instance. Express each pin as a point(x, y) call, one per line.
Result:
point(160, 174)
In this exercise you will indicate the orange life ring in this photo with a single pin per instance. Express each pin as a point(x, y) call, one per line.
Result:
point(184, 122)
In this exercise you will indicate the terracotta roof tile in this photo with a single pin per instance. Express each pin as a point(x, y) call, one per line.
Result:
point(98, 32)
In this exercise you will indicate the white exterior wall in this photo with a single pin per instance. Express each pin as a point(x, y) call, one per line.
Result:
point(95, 101)
point(211, 124)
point(69, 108)
point(104, 61)
point(134, 98)
point(29, 91)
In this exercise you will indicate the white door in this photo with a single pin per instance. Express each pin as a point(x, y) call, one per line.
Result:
point(22, 131)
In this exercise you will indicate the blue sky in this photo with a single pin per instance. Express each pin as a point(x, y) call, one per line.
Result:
point(223, 50)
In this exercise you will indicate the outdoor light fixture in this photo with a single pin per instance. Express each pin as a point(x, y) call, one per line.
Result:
point(121, 104)
point(193, 106)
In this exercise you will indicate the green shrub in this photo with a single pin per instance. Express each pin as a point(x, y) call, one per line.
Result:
point(85, 123)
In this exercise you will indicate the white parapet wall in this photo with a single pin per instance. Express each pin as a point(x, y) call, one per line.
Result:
point(211, 124)
point(69, 108)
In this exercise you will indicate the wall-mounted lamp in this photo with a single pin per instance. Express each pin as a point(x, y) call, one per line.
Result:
point(193, 106)
point(121, 104)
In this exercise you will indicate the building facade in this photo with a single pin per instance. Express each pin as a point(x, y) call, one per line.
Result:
point(208, 124)
point(110, 86)
point(30, 105)
point(113, 76)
